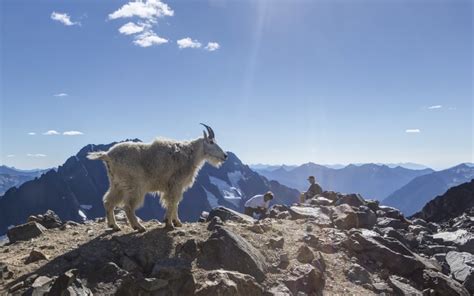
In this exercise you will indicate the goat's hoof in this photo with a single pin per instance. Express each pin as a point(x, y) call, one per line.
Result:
point(169, 226)
point(139, 228)
point(115, 227)
point(177, 223)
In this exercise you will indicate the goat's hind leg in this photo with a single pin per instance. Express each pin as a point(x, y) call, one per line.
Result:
point(111, 199)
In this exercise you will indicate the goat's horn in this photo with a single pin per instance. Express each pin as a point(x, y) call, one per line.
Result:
point(209, 131)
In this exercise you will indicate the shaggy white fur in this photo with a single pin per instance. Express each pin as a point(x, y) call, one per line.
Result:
point(165, 167)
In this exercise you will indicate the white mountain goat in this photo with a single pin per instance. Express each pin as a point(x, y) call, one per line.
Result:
point(165, 167)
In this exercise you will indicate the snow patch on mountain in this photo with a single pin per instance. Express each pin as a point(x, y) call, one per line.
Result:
point(212, 199)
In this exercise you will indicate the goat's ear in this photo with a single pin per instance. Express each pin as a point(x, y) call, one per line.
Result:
point(205, 135)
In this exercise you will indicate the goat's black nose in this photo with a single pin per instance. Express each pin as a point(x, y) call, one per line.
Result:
point(225, 156)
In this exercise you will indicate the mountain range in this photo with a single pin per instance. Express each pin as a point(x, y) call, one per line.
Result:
point(414, 195)
point(10, 177)
point(74, 191)
point(371, 180)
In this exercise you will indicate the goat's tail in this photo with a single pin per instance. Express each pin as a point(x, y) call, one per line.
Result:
point(97, 155)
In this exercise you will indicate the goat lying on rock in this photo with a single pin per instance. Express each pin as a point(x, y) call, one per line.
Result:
point(164, 167)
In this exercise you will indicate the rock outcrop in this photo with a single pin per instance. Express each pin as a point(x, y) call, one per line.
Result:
point(334, 244)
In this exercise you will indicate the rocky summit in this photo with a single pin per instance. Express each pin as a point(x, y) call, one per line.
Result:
point(333, 244)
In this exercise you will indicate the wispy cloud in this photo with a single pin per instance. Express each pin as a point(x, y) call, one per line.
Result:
point(51, 133)
point(212, 46)
point(63, 18)
point(10, 155)
point(31, 133)
point(148, 38)
point(149, 10)
point(131, 28)
point(61, 95)
point(435, 107)
point(413, 131)
point(72, 133)
point(36, 155)
point(188, 43)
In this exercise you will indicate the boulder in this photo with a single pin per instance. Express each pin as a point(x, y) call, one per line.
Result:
point(366, 218)
point(460, 238)
point(461, 265)
point(34, 256)
point(188, 249)
point(278, 290)
point(276, 243)
point(61, 283)
point(48, 220)
point(228, 283)
point(224, 247)
point(152, 284)
point(216, 220)
point(5, 273)
point(391, 254)
point(389, 212)
point(178, 275)
point(41, 286)
point(305, 278)
point(372, 204)
point(331, 195)
point(442, 284)
point(353, 199)
point(320, 201)
point(402, 287)
point(25, 231)
point(305, 254)
point(358, 275)
point(316, 214)
point(391, 222)
point(344, 217)
point(227, 214)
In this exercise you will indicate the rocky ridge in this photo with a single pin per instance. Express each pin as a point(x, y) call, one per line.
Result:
point(333, 244)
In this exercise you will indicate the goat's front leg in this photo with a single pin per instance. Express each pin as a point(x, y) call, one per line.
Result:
point(171, 216)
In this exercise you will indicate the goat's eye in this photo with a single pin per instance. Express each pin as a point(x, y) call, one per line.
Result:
point(211, 142)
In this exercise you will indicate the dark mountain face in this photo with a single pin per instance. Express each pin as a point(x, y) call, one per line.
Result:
point(11, 177)
point(414, 195)
point(450, 205)
point(371, 180)
point(75, 191)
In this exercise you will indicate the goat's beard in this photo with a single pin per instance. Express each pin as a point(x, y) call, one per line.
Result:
point(214, 161)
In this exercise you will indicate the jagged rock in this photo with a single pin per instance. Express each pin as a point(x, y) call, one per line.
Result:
point(256, 228)
point(35, 256)
point(25, 232)
point(391, 222)
point(344, 217)
point(305, 278)
point(48, 220)
point(460, 238)
point(110, 272)
point(305, 255)
point(178, 274)
point(229, 283)
point(227, 214)
point(372, 204)
point(63, 282)
point(224, 246)
point(461, 265)
point(41, 285)
point(319, 262)
point(417, 229)
point(401, 287)
point(430, 250)
point(354, 200)
point(189, 249)
point(311, 240)
point(320, 201)
point(276, 243)
point(382, 287)
point(391, 255)
point(331, 195)
point(216, 220)
point(316, 214)
point(366, 217)
point(5, 273)
point(284, 260)
point(442, 284)
point(358, 274)
point(129, 264)
point(389, 212)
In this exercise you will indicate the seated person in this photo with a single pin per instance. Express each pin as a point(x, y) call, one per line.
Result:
point(313, 190)
point(258, 204)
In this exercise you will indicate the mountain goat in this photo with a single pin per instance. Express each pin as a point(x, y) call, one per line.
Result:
point(164, 167)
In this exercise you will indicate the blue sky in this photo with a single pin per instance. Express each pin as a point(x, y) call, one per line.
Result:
point(280, 82)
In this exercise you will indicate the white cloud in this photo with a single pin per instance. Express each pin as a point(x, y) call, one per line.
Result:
point(31, 133)
point(10, 155)
point(63, 18)
point(149, 10)
point(188, 43)
point(413, 131)
point(212, 46)
point(148, 38)
point(72, 133)
point(61, 95)
point(131, 28)
point(51, 133)
point(435, 107)
point(36, 155)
